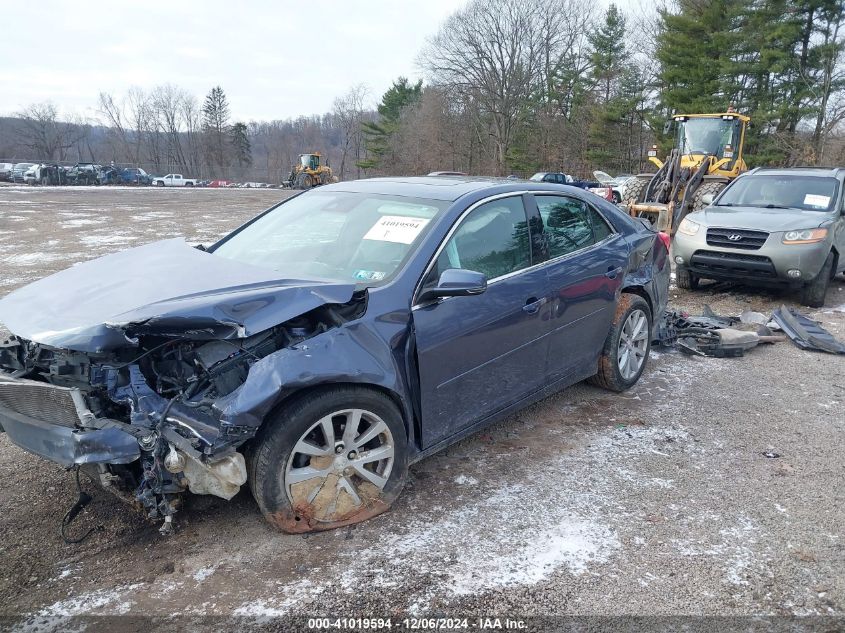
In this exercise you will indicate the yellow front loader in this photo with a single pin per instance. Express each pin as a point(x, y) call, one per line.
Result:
point(706, 156)
point(308, 172)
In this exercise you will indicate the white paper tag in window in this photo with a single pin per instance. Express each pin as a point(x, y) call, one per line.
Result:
point(396, 228)
point(815, 200)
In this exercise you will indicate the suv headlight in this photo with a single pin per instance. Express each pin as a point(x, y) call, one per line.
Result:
point(804, 236)
point(688, 227)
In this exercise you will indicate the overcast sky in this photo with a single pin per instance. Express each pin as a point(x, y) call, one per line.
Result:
point(274, 59)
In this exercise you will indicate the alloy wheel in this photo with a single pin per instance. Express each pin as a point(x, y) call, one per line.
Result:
point(633, 344)
point(339, 465)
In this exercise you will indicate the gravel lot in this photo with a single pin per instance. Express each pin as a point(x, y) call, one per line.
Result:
point(657, 501)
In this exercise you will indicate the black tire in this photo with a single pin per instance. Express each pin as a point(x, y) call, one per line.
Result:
point(609, 375)
point(685, 279)
point(633, 190)
point(159, 183)
point(617, 199)
point(269, 459)
point(712, 187)
point(189, 184)
point(813, 294)
point(299, 182)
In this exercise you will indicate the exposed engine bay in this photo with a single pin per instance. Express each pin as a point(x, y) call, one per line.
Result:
point(168, 391)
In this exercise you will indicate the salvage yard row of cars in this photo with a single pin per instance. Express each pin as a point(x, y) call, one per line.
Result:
point(51, 174)
point(318, 350)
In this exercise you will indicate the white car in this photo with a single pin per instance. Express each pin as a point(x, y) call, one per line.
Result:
point(608, 181)
point(174, 180)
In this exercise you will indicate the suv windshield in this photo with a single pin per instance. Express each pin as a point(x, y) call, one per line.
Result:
point(339, 236)
point(811, 193)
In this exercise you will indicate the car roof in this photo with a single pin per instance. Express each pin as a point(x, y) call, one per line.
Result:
point(819, 172)
point(447, 188)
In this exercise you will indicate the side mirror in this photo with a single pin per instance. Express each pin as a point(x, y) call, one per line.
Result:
point(707, 199)
point(455, 282)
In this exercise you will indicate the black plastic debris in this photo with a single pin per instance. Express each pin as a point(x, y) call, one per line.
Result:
point(771, 455)
point(806, 333)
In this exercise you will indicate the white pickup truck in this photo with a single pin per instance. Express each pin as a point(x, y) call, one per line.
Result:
point(174, 180)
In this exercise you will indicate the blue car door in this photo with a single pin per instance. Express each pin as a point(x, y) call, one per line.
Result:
point(587, 260)
point(480, 353)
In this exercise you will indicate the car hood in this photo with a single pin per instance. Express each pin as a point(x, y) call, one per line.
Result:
point(759, 219)
point(166, 288)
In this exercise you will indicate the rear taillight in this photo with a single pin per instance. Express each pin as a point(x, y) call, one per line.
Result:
point(664, 237)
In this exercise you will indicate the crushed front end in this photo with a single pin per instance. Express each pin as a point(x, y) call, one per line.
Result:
point(149, 421)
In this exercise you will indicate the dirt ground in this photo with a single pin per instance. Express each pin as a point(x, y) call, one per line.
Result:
point(653, 502)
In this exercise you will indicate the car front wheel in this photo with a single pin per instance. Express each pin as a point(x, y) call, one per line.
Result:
point(625, 352)
point(813, 294)
point(330, 458)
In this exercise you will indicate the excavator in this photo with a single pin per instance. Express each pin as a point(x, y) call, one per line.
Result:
point(308, 172)
point(707, 155)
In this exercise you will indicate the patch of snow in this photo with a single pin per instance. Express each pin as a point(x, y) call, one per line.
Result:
point(465, 480)
point(32, 259)
point(204, 572)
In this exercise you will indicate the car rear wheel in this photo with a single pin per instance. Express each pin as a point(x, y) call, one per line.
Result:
point(329, 458)
point(685, 279)
point(813, 294)
point(625, 352)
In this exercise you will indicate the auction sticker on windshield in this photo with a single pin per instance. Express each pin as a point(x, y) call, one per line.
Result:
point(396, 228)
point(815, 200)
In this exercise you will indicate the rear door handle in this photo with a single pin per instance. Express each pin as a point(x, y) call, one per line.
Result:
point(613, 272)
point(532, 304)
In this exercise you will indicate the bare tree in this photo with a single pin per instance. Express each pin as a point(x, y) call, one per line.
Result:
point(348, 112)
point(492, 52)
point(48, 138)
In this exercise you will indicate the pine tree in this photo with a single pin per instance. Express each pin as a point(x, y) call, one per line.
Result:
point(215, 122)
point(696, 49)
point(377, 135)
point(241, 145)
point(609, 55)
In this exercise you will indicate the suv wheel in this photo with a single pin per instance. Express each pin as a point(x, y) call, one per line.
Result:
point(329, 458)
point(685, 279)
point(625, 353)
point(812, 295)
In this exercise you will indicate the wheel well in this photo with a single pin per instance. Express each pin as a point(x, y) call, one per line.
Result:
point(639, 290)
point(314, 391)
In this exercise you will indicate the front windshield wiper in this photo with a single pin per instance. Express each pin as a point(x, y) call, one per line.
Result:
point(776, 206)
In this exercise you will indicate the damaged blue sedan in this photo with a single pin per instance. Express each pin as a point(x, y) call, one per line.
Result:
point(319, 349)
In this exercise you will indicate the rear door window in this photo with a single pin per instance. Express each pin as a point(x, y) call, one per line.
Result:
point(570, 224)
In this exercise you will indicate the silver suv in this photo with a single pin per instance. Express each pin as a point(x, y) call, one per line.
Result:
point(768, 227)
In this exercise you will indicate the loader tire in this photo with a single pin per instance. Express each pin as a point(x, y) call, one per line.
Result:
point(633, 191)
point(712, 187)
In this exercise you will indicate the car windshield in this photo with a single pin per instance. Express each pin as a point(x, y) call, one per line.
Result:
point(339, 236)
point(811, 193)
point(538, 176)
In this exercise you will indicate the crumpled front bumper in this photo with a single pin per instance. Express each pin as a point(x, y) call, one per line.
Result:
point(55, 423)
point(66, 446)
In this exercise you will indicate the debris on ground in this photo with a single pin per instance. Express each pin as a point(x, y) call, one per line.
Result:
point(714, 335)
point(806, 333)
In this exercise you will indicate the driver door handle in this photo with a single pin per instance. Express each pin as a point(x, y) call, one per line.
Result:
point(613, 272)
point(533, 304)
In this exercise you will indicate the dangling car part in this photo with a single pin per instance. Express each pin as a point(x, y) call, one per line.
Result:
point(706, 157)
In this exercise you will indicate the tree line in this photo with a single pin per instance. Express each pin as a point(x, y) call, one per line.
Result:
point(512, 86)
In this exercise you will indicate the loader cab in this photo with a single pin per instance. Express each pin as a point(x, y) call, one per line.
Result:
point(310, 161)
point(719, 135)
